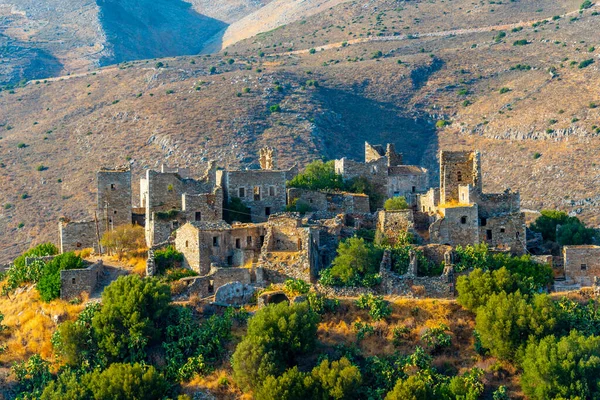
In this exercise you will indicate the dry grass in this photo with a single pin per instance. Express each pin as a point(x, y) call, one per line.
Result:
point(30, 323)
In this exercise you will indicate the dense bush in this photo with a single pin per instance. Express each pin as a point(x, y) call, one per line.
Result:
point(396, 203)
point(189, 347)
point(565, 368)
point(318, 175)
point(167, 258)
point(356, 264)
point(412, 388)
point(276, 335)
point(49, 283)
point(32, 375)
point(531, 275)
point(557, 226)
point(118, 381)
point(507, 321)
point(475, 289)
point(133, 312)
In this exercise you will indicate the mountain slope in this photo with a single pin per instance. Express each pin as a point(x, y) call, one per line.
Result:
point(368, 78)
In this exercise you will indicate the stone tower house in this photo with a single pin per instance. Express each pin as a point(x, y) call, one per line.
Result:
point(458, 168)
point(114, 197)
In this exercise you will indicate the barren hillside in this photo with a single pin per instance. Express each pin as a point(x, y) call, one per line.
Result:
point(380, 71)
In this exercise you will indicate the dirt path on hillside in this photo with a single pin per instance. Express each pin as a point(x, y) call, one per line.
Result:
point(455, 32)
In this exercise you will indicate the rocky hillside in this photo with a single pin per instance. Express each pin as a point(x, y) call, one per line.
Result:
point(517, 80)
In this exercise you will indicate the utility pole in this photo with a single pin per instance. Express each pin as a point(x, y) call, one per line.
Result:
point(97, 232)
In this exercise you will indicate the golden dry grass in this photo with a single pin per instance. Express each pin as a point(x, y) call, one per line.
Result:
point(30, 324)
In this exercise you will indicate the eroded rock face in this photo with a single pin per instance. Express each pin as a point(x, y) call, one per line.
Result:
point(234, 294)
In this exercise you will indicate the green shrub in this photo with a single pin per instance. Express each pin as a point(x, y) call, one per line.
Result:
point(437, 337)
point(475, 289)
point(378, 308)
point(585, 63)
point(536, 155)
point(276, 335)
point(521, 42)
point(32, 375)
point(275, 108)
point(507, 321)
point(296, 286)
point(412, 388)
point(118, 381)
point(49, 283)
point(356, 261)
point(318, 175)
point(585, 5)
point(504, 90)
point(132, 315)
point(566, 368)
point(442, 123)
point(396, 203)
point(337, 380)
point(167, 258)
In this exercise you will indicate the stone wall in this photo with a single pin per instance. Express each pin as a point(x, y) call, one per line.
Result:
point(505, 231)
point(411, 285)
point(335, 203)
point(75, 281)
point(458, 168)
point(76, 236)
point(458, 226)
point(375, 171)
point(581, 264)
point(390, 224)
point(114, 200)
point(317, 201)
point(234, 294)
point(263, 191)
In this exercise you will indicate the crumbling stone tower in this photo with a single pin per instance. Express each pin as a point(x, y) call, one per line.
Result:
point(266, 158)
point(458, 168)
point(114, 197)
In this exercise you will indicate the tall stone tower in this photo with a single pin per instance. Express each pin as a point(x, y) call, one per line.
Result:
point(458, 168)
point(114, 197)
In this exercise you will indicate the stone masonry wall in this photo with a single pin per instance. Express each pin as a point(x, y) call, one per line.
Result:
point(76, 236)
point(581, 264)
point(75, 281)
point(391, 223)
point(393, 284)
point(505, 231)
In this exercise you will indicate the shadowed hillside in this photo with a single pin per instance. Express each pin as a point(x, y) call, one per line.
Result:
point(153, 29)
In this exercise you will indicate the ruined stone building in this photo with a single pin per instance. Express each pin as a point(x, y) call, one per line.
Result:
point(263, 191)
point(460, 213)
point(581, 264)
point(385, 170)
point(169, 198)
point(283, 247)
